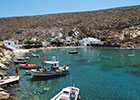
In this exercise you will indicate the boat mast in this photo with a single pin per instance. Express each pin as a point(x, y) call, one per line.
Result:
point(43, 57)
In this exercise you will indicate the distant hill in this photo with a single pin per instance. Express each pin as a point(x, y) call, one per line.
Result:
point(118, 26)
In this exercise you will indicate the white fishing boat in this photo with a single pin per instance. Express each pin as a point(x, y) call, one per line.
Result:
point(53, 70)
point(20, 61)
point(22, 58)
point(8, 79)
point(131, 55)
point(68, 93)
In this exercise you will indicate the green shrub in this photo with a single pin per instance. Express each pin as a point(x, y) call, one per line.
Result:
point(56, 42)
point(77, 43)
point(37, 42)
point(1, 39)
point(32, 42)
point(102, 38)
point(108, 43)
point(28, 42)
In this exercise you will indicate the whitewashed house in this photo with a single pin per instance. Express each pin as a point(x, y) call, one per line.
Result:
point(88, 41)
point(69, 39)
point(33, 39)
point(11, 44)
point(15, 47)
point(45, 43)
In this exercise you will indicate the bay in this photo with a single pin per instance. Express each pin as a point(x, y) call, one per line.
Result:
point(99, 73)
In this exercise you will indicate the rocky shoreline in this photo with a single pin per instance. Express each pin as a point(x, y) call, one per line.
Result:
point(6, 56)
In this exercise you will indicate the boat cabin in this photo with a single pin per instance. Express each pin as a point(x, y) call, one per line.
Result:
point(54, 64)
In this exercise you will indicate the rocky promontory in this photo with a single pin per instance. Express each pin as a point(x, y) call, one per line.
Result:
point(4, 94)
point(6, 56)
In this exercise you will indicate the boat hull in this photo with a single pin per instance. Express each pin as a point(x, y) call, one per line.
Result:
point(66, 94)
point(73, 52)
point(20, 62)
point(28, 66)
point(47, 73)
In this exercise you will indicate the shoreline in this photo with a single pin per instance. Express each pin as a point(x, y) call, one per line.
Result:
point(6, 56)
point(68, 47)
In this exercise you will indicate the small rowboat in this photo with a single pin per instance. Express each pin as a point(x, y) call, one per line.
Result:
point(28, 66)
point(9, 79)
point(73, 52)
point(68, 93)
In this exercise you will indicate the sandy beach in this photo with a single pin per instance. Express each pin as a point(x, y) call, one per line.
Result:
point(56, 47)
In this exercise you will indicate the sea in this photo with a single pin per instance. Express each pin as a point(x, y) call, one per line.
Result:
point(99, 73)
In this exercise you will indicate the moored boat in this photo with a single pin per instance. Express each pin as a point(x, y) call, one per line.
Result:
point(131, 55)
point(68, 93)
point(22, 58)
point(28, 66)
point(20, 61)
point(73, 52)
point(35, 55)
point(53, 70)
point(8, 79)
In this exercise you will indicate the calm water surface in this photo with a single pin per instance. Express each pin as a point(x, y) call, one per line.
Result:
point(100, 74)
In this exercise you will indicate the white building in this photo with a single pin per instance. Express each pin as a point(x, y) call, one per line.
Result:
point(69, 39)
point(11, 44)
point(88, 41)
point(45, 43)
point(33, 39)
point(15, 47)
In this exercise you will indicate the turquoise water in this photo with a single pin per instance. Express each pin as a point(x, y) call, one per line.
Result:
point(100, 74)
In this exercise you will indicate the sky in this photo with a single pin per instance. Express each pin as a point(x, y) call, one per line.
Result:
point(10, 8)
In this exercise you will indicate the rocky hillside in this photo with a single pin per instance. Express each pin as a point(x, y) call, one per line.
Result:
point(6, 56)
point(119, 26)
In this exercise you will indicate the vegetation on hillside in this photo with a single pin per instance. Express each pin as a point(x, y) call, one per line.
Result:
point(56, 43)
point(32, 42)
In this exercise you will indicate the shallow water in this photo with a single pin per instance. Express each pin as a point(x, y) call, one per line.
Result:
point(100, 74)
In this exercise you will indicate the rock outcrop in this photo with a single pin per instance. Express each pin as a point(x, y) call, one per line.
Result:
point(5, 57)
point(4, 94)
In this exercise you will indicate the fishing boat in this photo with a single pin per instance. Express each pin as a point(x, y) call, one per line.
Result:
point(28, 66)
point(131, 55)
point(8, 79)
point(20, 61)
point(53, 70)
point(68, 93)
point(73, 52)
point(22, 58)
point(35, 55)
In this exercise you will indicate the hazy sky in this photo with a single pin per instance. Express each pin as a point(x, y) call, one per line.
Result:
point(10, 8)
